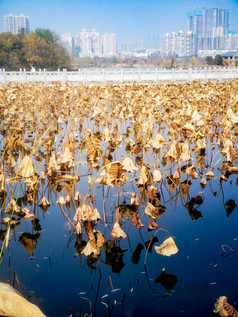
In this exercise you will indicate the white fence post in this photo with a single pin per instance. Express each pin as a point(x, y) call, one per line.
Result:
point(25, 76)
point(122, 75)
point(4, 79)
point(45, 77)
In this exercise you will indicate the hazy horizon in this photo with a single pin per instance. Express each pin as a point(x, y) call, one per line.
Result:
point(130, 20)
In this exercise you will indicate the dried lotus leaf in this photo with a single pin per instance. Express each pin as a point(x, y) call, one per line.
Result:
point(167, 248)
point(157, 176)
point(201, 144)
point(26, 168)
point(61, 201)
point(134, 199)
point(185, 153)
point(53, 166)
point(92, 145)
point(128, 165)
point(158, 142)
point(219, 307)
point(67, 157)
point(135, 219)
point(188, 128)
point(117, 232)
point(210, 174)
point(152, 225)
point(113, 172)
point(229, 151)
point(44, 202)
point(13, 304)
point(143, 176)
point(172, 153)
point(2, 183)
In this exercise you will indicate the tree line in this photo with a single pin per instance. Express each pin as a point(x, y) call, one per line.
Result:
point(40, 49)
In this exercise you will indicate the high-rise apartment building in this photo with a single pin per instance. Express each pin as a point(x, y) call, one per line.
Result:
point(180, 44)
point(90, 43)
point(15, 24)
point(108, 44)
point(231, 41)
point(210, 26)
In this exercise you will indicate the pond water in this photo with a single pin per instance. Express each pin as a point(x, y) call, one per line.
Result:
point(128, 277)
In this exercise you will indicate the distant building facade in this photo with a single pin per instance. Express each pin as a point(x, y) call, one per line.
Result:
point(211, 27)
point(179, 44)
point(15, 24)
point(90, 44)
point(231, 41)
point(207, 30)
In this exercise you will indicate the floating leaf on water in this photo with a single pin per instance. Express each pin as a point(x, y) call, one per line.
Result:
point(13, 304)
point(117, 232)
point(167, 248)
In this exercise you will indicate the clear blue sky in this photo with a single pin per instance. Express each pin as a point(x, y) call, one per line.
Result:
point(129, 19)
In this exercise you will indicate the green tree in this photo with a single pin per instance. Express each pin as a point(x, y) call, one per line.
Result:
point(218, 60)
point(209, 60)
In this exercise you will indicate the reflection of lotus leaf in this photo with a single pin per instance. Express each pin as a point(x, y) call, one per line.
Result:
point(230, 206)
point(114, 256)
point(168, 281)
point(136, 254)
point(29, 241)
point(126, 211)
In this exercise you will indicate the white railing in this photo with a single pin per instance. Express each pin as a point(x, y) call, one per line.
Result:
point(119, 75)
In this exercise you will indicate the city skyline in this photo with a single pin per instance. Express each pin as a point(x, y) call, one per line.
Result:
point(131, 20)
